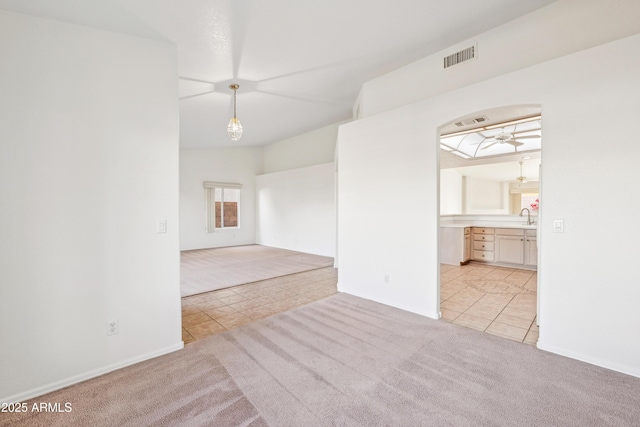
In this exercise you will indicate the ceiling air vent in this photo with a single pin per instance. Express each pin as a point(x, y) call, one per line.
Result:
point(469, 122)
point(458, 57)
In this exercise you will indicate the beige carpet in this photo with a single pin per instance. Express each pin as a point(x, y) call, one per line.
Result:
point(206, 270)
point(350, 362)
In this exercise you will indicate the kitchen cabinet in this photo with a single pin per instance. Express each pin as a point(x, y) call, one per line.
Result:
point(455, 245)
point(483, 244)
point(510, 245)
point(467, 244)
point(531, 248)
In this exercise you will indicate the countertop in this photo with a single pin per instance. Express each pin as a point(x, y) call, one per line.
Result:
point(488, 225)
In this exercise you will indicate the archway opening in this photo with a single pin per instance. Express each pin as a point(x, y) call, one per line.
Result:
point(489, 204)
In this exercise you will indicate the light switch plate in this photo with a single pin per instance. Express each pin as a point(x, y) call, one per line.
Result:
point(161, 226)
point(558, 226)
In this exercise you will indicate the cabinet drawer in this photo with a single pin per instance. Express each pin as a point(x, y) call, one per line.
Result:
point(532, 233)
point(477, 230)
point(483, 255)
point(467, 230)
point(483, 246)
point(510, 231)
point(483, 237)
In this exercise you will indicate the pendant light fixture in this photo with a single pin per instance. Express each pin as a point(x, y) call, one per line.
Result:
point(521, 179)
point(235, 127)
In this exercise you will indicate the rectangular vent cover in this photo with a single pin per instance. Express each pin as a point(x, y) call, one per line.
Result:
point(458, 57)
point(469, 122)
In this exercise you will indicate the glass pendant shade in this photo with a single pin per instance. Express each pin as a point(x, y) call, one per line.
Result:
point(234, 129)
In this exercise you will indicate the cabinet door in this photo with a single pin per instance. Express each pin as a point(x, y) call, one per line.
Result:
point(531, 251)
point(467, 247)
point(510, 249)
point(451, 245)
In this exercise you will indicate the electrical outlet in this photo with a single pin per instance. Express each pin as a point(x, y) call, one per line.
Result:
point(112, 327)
point(386, 279)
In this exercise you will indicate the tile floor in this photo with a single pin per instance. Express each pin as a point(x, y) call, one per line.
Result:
point(497, 300)
point(213, 312)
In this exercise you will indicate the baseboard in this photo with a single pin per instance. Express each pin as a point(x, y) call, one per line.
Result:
point(627, 370)
point(431, 315)
point(39, 391)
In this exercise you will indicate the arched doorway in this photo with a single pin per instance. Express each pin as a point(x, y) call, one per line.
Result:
point(489, 185)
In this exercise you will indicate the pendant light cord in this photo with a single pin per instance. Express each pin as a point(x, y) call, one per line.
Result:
point(234, 103)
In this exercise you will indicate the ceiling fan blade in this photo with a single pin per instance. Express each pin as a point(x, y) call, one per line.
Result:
point(493, 143)
point(528, 137)
point(515, 143)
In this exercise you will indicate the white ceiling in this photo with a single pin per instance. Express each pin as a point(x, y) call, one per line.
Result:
point(300, 64)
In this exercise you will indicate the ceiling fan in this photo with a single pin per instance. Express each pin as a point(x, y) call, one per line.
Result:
point(508, 138)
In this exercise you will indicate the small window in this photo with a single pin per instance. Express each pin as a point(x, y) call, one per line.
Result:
point(521, 200)
point(529, 201)
point(223, 205)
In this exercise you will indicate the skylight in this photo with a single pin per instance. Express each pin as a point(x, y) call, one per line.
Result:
point(513, 137)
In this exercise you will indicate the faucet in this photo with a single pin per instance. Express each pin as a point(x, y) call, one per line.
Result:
point(529, 222)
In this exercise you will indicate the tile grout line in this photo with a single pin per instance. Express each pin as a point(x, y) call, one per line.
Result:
point(299, 289)
point(477, 303)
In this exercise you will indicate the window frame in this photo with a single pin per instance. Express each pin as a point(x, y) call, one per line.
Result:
point(210, 188)
point(516, 200)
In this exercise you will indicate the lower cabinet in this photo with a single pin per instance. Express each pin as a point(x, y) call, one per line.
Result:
point(455, 245)
point(513, 246)
point(467, 245)
point(510, 245)
point(483, 244)
point(531, 248)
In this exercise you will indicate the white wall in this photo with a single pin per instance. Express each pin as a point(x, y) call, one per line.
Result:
point(474, 196)
point(241, 165)
point(483, 196)
point(296, 209)
point(558, 29)
point(311, 148)
point(296, 196)
point(588, 280)
point(450, 192)
point(388, 210)
point(237, 165)
point(88, 164)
